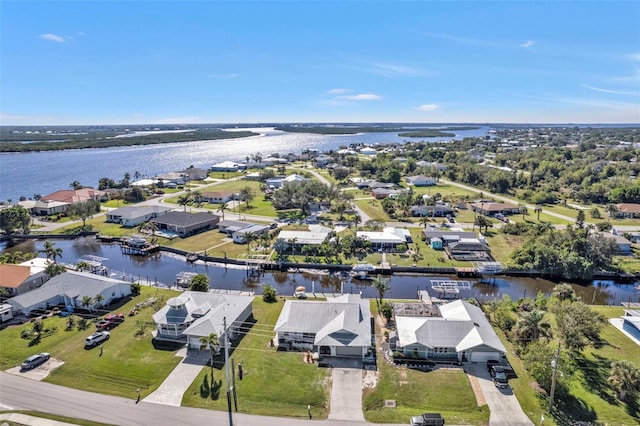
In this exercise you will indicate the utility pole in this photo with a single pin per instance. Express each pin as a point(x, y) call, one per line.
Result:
point(226, 368)
point(554, 364)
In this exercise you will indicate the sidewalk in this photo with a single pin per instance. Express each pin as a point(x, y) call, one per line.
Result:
point(23, 419)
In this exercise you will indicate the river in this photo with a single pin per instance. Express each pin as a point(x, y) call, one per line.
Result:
point(29, 173)
point(162, 269)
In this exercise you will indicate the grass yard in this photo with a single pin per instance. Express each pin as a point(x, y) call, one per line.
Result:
point(128, 361)
point(274, 383)
point(502, 245)
point(443, 391)
point(372, 208)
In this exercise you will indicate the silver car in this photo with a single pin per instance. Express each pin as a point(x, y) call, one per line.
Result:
point(35, 360)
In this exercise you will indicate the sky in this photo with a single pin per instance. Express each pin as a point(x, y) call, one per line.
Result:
point(165, 62)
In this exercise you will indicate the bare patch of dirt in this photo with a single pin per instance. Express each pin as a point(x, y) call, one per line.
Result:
point(369, 379)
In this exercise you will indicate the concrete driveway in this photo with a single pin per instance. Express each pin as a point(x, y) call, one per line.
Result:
point(346, 390)
point(170, 392)
point(504, 406)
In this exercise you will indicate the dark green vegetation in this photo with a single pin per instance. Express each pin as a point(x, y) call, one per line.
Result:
point(352, 130)
point(591, 385)
point(15, 139)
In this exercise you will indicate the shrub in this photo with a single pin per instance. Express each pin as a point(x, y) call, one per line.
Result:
point(269, 293)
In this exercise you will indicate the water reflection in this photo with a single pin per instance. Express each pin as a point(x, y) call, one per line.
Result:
point(162, 269)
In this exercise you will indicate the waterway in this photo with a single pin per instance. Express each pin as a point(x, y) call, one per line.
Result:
point(161, 270)
point(29, 173)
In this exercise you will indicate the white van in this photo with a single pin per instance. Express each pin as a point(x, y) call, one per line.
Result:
point(97, 338)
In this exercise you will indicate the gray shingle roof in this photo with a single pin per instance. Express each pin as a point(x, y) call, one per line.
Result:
point(185, 218)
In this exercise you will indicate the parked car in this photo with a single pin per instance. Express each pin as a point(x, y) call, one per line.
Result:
point(499, 376)
point(105, 325)
point(97, 338)
point(119, 317)
point(427, 419)
point(34, 360)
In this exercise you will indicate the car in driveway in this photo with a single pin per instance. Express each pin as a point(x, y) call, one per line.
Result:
point(115, 318)
point(96, 338)
point(499, 376)
point(35, 360)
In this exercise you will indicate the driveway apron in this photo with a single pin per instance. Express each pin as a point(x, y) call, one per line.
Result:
point(170, 392)
point(346, 395)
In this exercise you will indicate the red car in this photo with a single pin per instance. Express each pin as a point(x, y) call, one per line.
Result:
point(117, 318)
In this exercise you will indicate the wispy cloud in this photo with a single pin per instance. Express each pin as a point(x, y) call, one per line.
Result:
point(461, 40)
point(428, 107)
point(528, 43)
point(53, 37)
point(395, 70)
point(226, 76)
point(335, 92)
point(614, 92)
point(633, 57)
point(360, 97)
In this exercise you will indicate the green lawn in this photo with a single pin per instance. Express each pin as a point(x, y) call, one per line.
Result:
point(372, 208)
point(128, 362)
point(274, 383)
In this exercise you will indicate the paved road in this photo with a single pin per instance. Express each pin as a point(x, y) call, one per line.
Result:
point(21, 393)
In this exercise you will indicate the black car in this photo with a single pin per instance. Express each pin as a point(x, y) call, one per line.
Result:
point(35, 360)
point(499, 376)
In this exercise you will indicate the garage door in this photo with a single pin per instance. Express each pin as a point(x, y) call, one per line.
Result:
point(484, 356)
point(348, 351)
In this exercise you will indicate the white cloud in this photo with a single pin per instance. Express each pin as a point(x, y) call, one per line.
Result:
point(360, 97)
point(335, 92)
point(615, 92)
point(230, 75)
point(528, 43)
point(428, 107)
point(53, 37)
point(633, 57)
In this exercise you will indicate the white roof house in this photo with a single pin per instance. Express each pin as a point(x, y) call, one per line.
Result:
point(301, 238)
point(338, 327)
point(228, 166)
point(195, 314)
point(69, 289)
point(461, 333)
point(389, 238)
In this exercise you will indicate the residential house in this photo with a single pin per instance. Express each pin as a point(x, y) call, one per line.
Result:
point(239, 235)
point(387, 240)
point(448, 236)
point(338, 327)
point(280, 181)
point(489, 208)
point(322, 160)
point(432, 165)
point(194, 314)
point(6, 312)
point(171, 179)
point(219, 197)
point(230, 226)
point(185, 224)
point(420, 180)
point(623, 245)
point(368, 151)
point(438, 210)
point(381, 193)
point(44, 208)
point(75, 196)
point(295, 240)
point(628, 210)
point(131, 216)
point(469, 249)
point(69, 289)
point(194, 173)
point(24, 277)
point(274, 161)
point(228, 166)
point(459, 332)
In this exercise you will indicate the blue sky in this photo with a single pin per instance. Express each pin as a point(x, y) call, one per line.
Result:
point(105, 62)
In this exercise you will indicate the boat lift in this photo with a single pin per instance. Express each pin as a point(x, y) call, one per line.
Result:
point(450, 288)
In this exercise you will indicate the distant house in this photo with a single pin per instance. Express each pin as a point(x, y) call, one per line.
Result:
point(194, 314)
point(458, 332)
point(436, 243)
point(432, 165)
point(228, 166)
point(628, 210)
point(489, 208)
point(448, 236)
point(194, 173)
point(469, 249)
point(239, 235)
point(381, 193)
point(438, 210)
point(368, 151)
point(387, 240)
point(218, 197)
point(27, 276)
point(171, 179)
point(338, 327)
point(280, 181)
point(420, 180)
point(623, 245)
point(322, 160)
point(230, 226)
point(44, 208)
point(294, 178)
point(274, 161)
point(69, 289)
point(71, 196)
point(295, 240)
point(131, 216)
point(185, 224)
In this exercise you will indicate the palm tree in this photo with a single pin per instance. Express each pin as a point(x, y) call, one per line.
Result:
point(222, 207)
point(51, 252)
point(75, 185)
point(292, 242)
point(86, 301)
point(531, 327)
point(382, 285)
point(98, 298)
point(184, 199)
point(148, 227)
point(611, 210)
point(249, 238)
point(197, 198)
point(537, 210)
point(357, 219)
point(523, 210)
point(210, 343)
point(82, 266)
point(625, 378)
